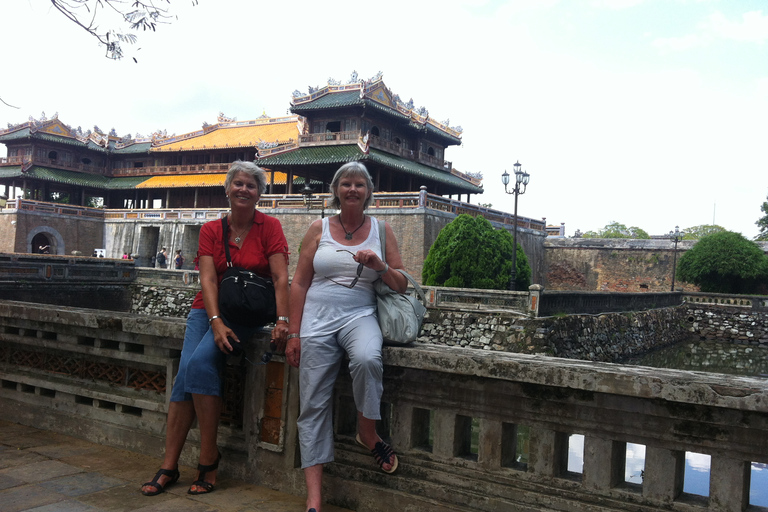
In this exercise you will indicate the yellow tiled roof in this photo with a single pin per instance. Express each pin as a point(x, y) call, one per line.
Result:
point(234, 137)
point(200, 180)
point(184, 180)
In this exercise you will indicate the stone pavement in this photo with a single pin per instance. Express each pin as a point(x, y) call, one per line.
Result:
point(42, 471)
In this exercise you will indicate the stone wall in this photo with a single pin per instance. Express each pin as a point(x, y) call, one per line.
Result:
point(609, 337)
point(454, 417)
point(616, 265)
point(66, 233)
point(415, 228)
point(734, 324)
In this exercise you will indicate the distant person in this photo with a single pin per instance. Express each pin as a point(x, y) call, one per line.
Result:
point(178, 261)
point(95, 254)
point(45, 249)
point(125, 256)
point(161, 259)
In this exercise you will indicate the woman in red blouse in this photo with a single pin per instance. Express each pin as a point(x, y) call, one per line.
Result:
point(257, 243)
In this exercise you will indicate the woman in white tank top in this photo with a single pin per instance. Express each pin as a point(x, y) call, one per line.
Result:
point(333, 312)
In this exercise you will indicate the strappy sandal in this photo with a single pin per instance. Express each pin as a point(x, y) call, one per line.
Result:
point(382, 453)
point(202, 470)
point(173, 474)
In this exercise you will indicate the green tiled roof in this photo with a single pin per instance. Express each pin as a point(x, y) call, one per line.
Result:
point(67, 177)
point(417, 169)
point(126, 183)
point(21, 134)
point(140, 147)
point(341, 154)
point(10, 172)
point(443, 135)
point(331, 100)
point(315, 155)
point(72, 178)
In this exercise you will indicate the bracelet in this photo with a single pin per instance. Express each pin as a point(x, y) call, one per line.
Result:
point(382, 272)
point(214, 317)
point(294, 335)
point(283, 319)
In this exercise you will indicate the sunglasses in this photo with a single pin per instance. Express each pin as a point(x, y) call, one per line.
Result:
point(237, 350)
point(354, 281)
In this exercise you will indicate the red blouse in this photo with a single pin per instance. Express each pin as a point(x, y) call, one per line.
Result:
point(265, 239)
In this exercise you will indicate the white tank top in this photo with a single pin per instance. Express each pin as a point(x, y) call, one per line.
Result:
point(330, 306)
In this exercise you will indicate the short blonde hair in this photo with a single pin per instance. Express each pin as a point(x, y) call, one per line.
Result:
point(351, 169)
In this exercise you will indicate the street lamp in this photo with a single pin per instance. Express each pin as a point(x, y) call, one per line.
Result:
point(308, 194)
point(521, 181)
point(675, 236)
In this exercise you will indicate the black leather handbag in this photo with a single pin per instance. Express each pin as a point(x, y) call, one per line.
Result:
point(245, 297)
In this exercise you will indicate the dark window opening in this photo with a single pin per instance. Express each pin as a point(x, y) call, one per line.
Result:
point(397, 141)
point(138, 164)
point(52, 155)
point(333, 126)
point(431, 151)
point(375, 130)
point(86, 161)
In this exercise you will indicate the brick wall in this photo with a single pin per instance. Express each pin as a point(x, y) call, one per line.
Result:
point(612, 265)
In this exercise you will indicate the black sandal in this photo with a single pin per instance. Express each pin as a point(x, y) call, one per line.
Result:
point(383, 454)
point(172, 473)
point(202, 469)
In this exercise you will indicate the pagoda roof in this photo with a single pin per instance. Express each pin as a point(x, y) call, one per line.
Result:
point(234, 135)
point(56, 175)
point(319, 155)
point(372, 94)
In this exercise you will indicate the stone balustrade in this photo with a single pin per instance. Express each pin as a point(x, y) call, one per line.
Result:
point(474, 429)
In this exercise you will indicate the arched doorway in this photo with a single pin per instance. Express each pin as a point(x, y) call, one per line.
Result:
point(41, 244)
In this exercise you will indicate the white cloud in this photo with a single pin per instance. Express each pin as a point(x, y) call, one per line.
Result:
point(616, 4)
point(751, 28)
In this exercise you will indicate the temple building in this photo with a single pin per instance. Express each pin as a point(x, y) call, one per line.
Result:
point(361, 120)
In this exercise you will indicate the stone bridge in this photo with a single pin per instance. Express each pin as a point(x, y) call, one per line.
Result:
point(475, 429)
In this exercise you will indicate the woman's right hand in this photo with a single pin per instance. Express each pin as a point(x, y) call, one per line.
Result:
point(293, 352)
point(221, 335)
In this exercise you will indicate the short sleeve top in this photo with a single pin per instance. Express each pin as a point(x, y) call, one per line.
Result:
point(265, 239)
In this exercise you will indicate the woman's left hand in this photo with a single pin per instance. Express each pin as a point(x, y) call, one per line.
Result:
point(279, 333)
point(370, 259)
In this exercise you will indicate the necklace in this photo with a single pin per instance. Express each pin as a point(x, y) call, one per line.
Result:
point(238, 238)
point(349, 234)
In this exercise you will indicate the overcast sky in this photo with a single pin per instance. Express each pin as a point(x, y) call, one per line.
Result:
point(652, 113)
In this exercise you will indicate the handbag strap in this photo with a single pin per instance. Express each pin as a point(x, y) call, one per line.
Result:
point(383, 239)
point(226, 241)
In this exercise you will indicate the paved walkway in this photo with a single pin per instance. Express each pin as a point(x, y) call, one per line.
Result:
point(41, 471)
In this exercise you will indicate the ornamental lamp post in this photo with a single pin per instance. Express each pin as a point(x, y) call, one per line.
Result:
point(521, 182)
point(675, 236)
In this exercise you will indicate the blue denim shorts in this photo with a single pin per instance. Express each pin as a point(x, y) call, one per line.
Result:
point(202, 363)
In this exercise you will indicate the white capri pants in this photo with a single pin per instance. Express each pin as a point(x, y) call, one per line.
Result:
point(321, 358)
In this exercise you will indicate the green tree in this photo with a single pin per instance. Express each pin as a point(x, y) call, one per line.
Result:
point(699, 232)
point(762, 223)
point(725, 263)
point(470, 253)
point(617, 230)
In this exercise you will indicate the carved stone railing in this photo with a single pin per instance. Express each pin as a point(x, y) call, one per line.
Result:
point(475, 430)
point(755, 302)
